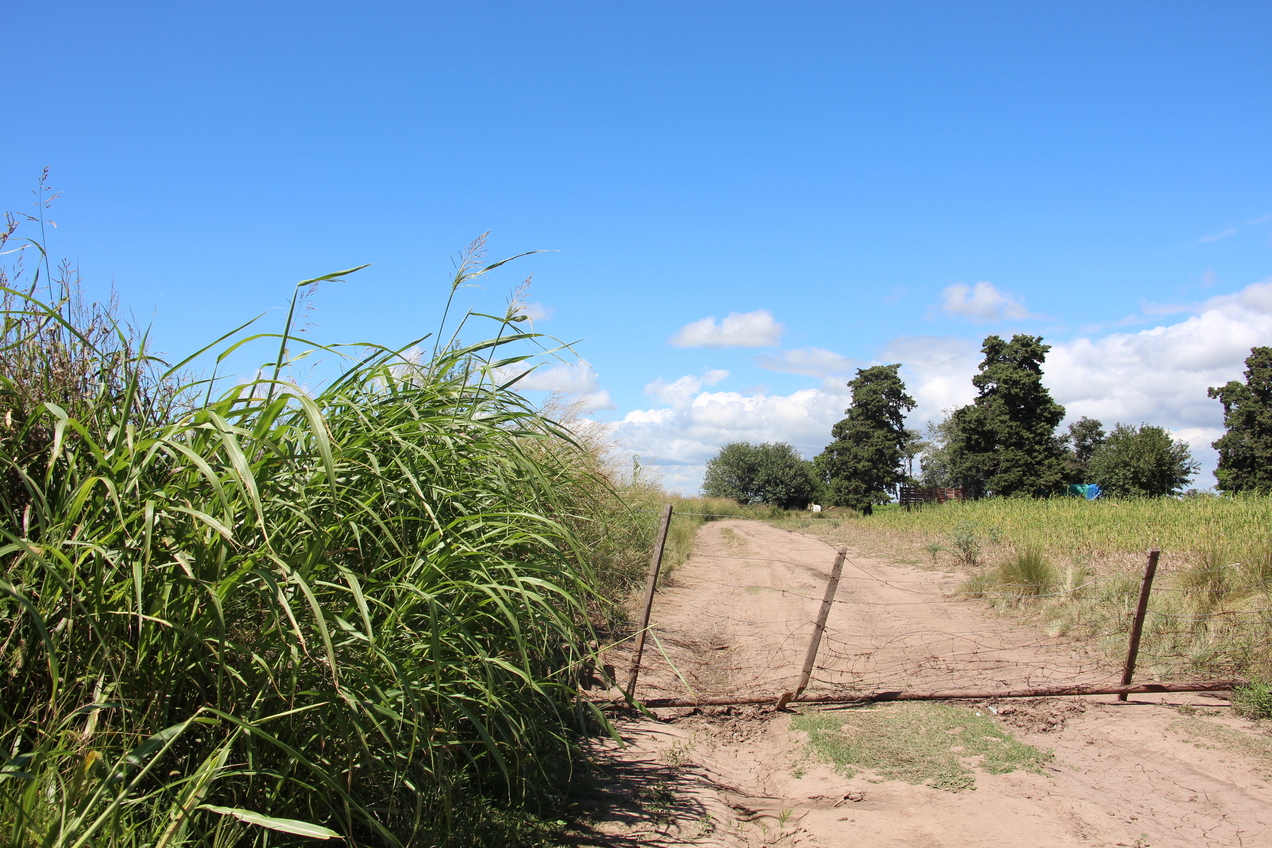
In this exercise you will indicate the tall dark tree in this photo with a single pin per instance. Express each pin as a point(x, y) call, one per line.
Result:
point(771, 473)
point(866, 460)
point(1004, 442)
point(1141, 462)
point(1084, 436)
point(1245, 451)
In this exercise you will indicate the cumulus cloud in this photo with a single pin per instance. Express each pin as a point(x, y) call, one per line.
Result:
point(1156, 376)
point(809, 361)
point(1160, 375)
point(596, 401)
point(937, 372)
point(680, 392)
point(738, 329)
point(575, 380)
point(981, 303)
point(681, 439)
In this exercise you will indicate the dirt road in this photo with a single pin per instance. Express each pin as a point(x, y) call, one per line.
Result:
point(1174, 770)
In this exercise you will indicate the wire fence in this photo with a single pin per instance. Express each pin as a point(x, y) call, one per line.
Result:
point(737, 618)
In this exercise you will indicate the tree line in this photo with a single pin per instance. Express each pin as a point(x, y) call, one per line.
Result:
point(1004, 443)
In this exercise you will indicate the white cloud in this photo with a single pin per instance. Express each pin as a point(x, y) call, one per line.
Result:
point(577, 381)
point(1216, 236)
point(537, 311)
point(680, 392)
point(809, 361)
point(681, 439)
point(738, 329)
point(596, 401)
point(1160, 376)
point(981, 303)
point(937, 373)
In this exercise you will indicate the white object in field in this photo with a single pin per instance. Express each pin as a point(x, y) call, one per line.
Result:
point(815, 508)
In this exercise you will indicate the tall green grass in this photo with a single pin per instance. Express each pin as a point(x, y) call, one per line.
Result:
point(270, 614)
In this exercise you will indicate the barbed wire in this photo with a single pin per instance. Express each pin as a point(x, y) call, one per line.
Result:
point(1264, 585)
point(744, 638)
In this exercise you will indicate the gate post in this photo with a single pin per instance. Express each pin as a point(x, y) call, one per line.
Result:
point(655, 564)
point(832, 585)
point(1137, 626)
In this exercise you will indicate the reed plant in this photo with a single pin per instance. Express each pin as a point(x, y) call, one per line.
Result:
point(272, 615)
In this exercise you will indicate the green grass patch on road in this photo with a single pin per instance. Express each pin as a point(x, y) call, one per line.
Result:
point(916, 742)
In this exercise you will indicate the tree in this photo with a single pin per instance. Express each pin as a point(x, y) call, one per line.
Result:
point(1004, 442)
point(865, 460)
point(1141, 462)
point(1245, 451)
point(1085, 435)
point(771, 473)
point(935, 447)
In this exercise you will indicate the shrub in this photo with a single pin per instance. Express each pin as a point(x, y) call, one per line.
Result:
point(966, 543)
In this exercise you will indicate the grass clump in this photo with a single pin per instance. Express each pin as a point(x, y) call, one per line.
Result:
point(1205, 733)
point(920, 743)
point(1208, 577)
point(1029, 573)
point(1254, 699)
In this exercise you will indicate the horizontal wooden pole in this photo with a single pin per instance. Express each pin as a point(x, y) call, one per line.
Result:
point(871, 697)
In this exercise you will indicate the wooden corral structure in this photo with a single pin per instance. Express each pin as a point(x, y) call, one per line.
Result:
point(911, 496)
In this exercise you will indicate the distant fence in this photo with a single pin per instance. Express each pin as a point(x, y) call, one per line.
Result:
point(917, 495)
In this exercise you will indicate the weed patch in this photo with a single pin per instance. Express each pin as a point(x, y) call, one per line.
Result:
point(920, 743)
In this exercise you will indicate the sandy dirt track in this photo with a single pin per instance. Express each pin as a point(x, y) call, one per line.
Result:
point(736, 618)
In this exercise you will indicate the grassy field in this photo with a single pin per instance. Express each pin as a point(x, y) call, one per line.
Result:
point(1101, 534)
point(246, 613)
point(1074, 567)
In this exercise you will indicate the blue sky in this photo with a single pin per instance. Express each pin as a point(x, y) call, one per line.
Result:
point(855, 183)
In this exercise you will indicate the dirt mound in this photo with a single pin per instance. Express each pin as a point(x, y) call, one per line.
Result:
point(1037, 715)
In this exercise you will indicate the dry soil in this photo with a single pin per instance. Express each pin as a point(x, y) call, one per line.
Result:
point(735, 619)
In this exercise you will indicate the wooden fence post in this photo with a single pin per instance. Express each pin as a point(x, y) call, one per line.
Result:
point(832, 585)
point(1137, 626)
point(655, 565)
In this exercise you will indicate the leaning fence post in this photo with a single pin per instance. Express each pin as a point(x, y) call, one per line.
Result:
point(655, 565)
point(1137, 626)
point(832, 585)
